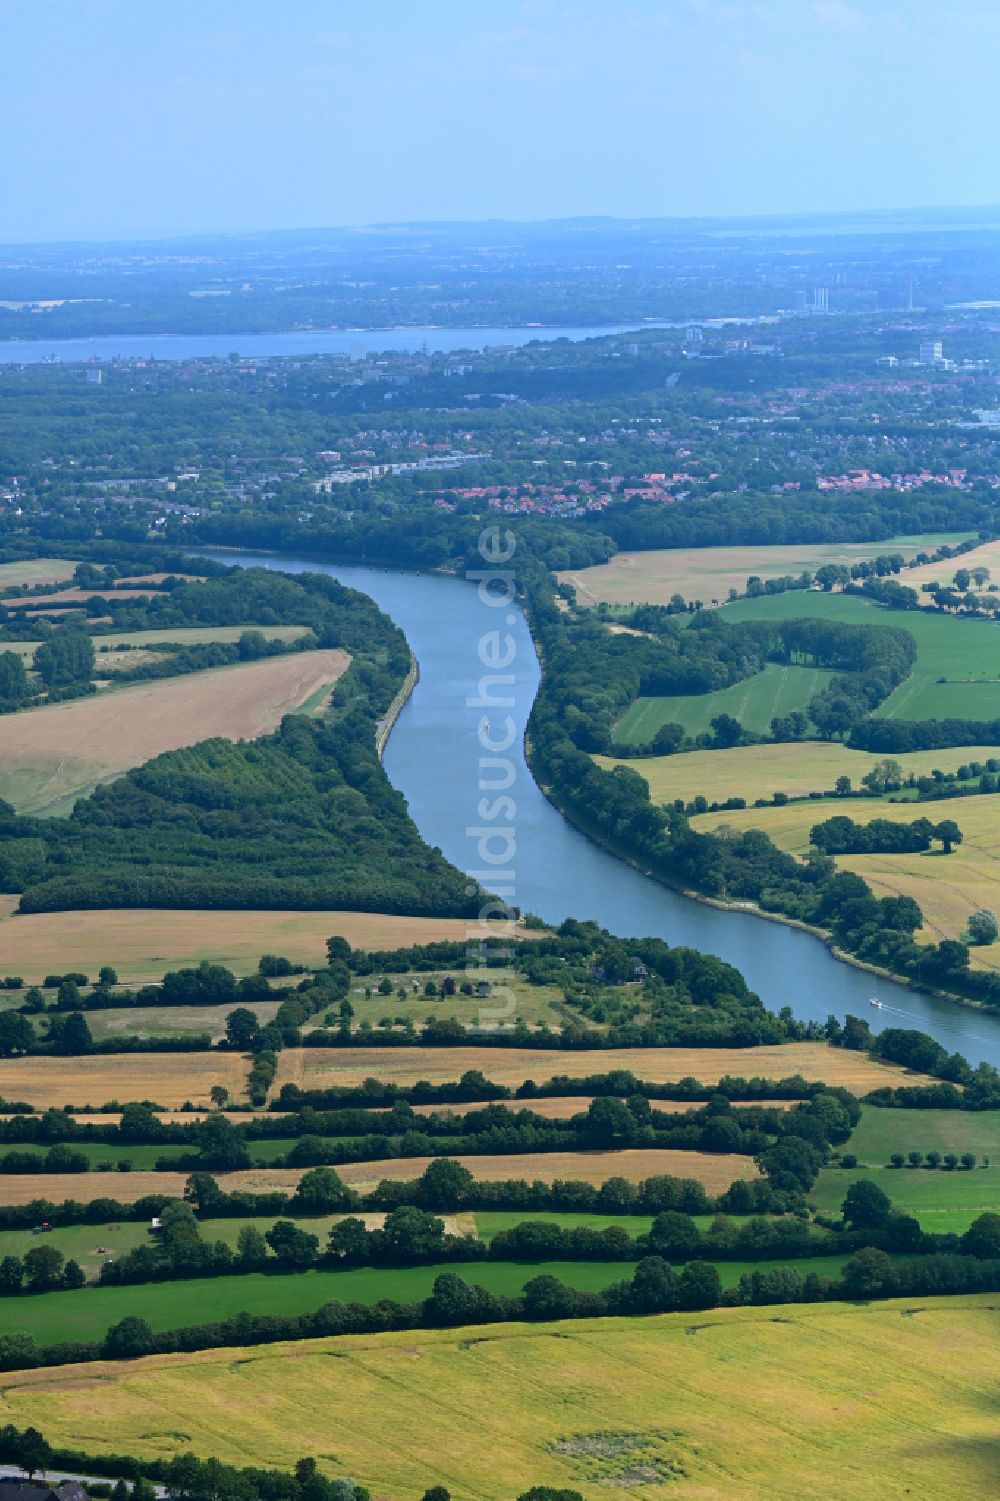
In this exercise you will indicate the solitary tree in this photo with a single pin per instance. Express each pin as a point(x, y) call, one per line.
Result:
point(130, 1337)
point(866, 1206)
point(726, 731)
point(241, 1029)
point(33, 1453)
point(295, 1247)
point(949, 834)
point(983, 1237)
point(983, 926)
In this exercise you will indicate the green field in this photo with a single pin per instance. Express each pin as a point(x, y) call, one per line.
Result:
point(35, 571)
point(754, 702)
point(144, 1156)
point(171, 1021)
point(490, 1222)
point(965, 653)
point(87, 1313)
point(532, 1003)
point(859, 1403)
point(882, 1132)
point(957, 672)
point(91, 1245)
point(942, 1201)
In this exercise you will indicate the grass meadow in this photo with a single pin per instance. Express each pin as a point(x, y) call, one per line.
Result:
point(882, 1132)
point(965, 653)
point(942, 1201)
point(88, 1312)
point(91, 1245)
point(534, 1004)
point(948, 888)
point(795, 768)
point(708, 573)
point(754, 702)
point(35, 571)
point(172, 1021)
point(957, 671)
point(864, 1402)
point(143, 942)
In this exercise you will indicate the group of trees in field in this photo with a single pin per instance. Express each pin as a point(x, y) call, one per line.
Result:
point(840, 835)
point(63, 666)
point(897, 736)
point(15, 689)
point(656, 1286)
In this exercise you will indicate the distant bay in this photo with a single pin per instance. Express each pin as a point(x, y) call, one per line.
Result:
point(302, 342)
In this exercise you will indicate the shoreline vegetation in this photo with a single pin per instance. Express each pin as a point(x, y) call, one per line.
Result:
point(612, 846)
point(581, 694)
point(384, 726)
point(749, 909)
point(603, 841)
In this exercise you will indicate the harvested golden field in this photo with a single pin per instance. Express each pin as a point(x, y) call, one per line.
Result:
point(319, 1068)
point(762, 770)
point(22, 1188)
point(948, 888)
point(143, 942)
point(708, 573)
point(987, 555)
point(35, 571)
point(861, 1403)
point(74, 597)
point(52, 755)
point(561, 1107)
point(168, 1117)
point(716, 1170)
point(169, 1079)
point(108, 647)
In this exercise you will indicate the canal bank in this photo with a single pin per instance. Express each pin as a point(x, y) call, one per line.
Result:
point(433, 757)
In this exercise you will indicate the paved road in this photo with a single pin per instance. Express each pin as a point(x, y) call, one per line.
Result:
point(60, 1475)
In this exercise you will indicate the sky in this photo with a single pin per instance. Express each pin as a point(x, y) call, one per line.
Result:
point(160, 117)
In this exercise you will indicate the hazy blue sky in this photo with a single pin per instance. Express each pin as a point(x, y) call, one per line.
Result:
point(165, 116)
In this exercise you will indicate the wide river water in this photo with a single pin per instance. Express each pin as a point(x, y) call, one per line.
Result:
point(433, 758)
